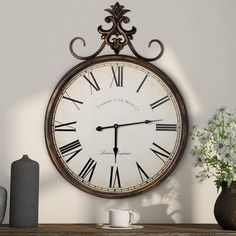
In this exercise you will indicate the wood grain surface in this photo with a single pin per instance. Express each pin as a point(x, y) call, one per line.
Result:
point(91, 229)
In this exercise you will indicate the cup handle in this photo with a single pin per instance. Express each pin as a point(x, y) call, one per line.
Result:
point(132, 216)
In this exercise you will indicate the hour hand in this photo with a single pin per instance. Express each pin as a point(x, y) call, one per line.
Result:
point(115, 149)
point(100, 128)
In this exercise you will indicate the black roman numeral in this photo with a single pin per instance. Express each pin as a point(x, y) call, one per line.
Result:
point(160, 152)
point(76, 102)
point(88, 169)
point(66, 127)
point(140, 86)
point(166, 127)
point(114, 178)
point(142, 173)
point(71, 149)
point(92, 82)
point(117, 76)
point(159, 102)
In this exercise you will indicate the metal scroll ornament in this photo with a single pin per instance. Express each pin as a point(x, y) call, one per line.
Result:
point(117, 37)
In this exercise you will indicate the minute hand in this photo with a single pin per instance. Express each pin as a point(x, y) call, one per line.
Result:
point(141, 122)
point(99, 128)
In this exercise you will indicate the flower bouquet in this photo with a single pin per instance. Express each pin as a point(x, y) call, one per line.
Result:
point(215, 148)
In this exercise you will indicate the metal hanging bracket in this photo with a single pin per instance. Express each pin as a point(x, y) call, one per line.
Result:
point(117, 37)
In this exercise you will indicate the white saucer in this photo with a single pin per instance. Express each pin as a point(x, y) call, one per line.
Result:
point(120, 228)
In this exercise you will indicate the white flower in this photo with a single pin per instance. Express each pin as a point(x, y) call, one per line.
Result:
point(202, 175)
point(220, 146)
point(218, 112)
point(222, 109)
point(231, 156)
point(227, 156)
point(231, 129)
point(203, 136)
point(198, 161)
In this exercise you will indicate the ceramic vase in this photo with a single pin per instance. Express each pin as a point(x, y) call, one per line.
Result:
point(3, 203)
point(24, 193)
point(225, 206)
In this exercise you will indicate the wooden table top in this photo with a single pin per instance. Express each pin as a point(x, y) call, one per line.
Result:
point(91, 229)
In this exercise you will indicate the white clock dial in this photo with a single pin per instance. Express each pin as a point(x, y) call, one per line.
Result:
point(116, 126)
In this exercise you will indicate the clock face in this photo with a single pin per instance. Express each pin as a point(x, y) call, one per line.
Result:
point(115, 126)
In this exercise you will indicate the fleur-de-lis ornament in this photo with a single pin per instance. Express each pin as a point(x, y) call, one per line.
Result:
point(117, 37)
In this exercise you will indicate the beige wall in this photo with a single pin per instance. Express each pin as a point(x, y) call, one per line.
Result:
point(200, 55)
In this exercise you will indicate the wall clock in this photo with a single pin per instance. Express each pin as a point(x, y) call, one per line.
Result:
point(116, 125)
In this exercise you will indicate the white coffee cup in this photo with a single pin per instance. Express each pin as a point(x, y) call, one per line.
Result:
point(121, 218)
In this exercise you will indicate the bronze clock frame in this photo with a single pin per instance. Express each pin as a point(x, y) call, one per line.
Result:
point(121, 39)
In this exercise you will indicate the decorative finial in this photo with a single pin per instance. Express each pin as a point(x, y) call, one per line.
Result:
point(117, 37)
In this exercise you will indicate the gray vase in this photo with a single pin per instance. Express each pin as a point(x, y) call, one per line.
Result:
point(3, 203)
point(24, 193)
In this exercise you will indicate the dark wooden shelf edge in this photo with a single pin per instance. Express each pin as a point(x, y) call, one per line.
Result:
point(90, 229)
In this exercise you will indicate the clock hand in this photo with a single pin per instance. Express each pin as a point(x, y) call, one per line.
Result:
point(141, 122)
point(115, 149)
point(100, 128)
